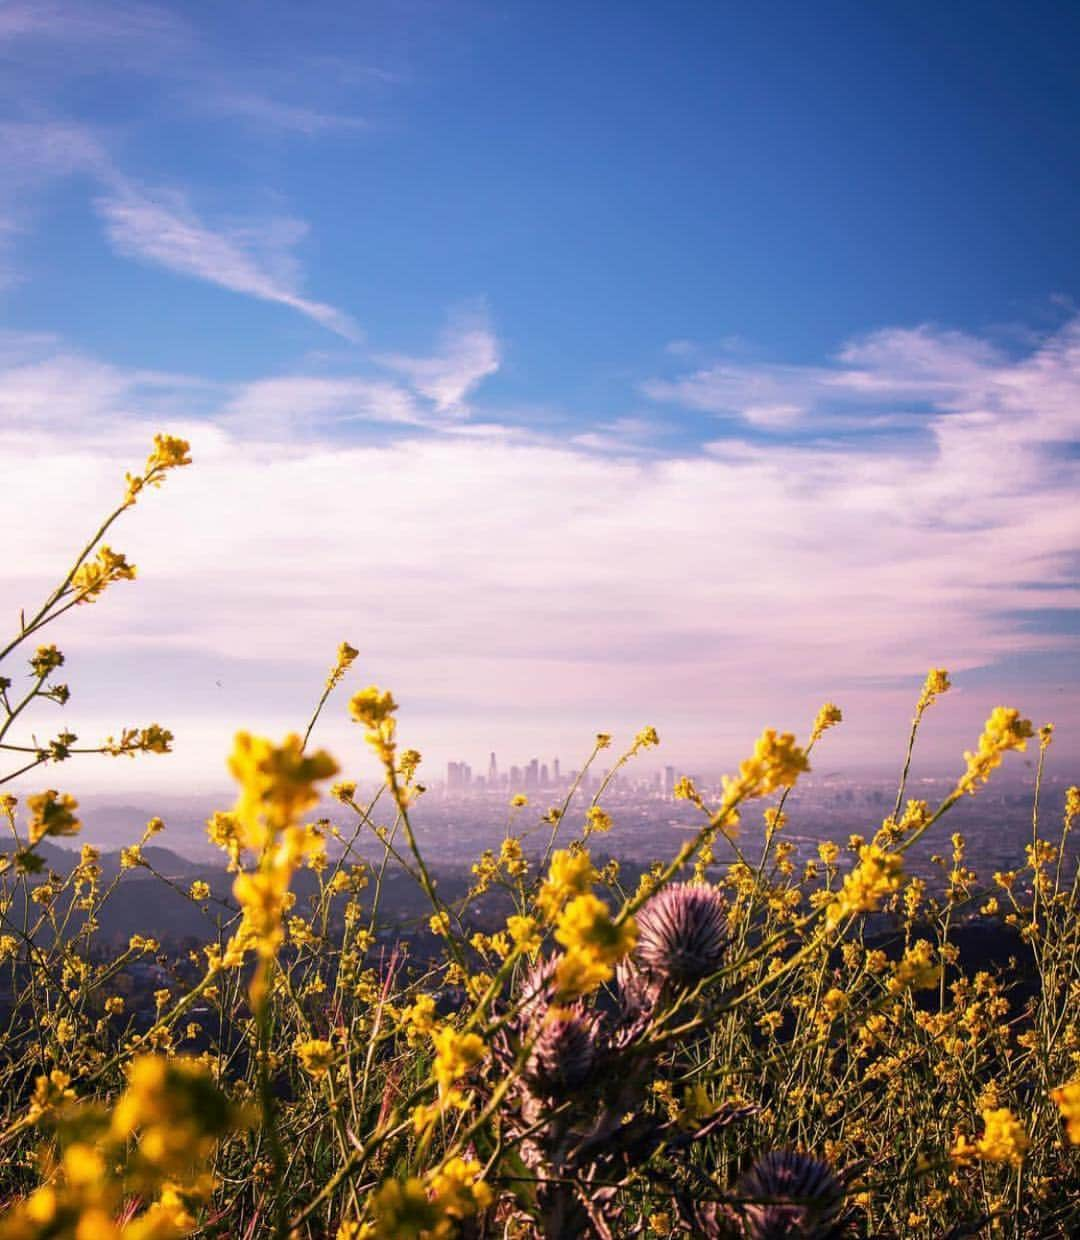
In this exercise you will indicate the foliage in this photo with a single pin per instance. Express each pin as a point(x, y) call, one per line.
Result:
point(720, 1051)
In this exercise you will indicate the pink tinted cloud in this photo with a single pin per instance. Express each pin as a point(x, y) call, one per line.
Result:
point(518, 586)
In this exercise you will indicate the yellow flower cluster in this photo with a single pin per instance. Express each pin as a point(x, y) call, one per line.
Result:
point(597, 819)
point(1004, 730)
point(512, 859)
point(316, 1056)
point(879, 874)
point(152, 739)
point(429, 1209)
point(418, 1020)
point(164, 1125)
point(775, 763)
point(375, 709)
point(827, 717)
point(455, 1055)
point(45, 659)
point(937, 682)
point(169, 452)
point(346, 656)
point(91, 578)
point(570, 874)
point(174, 1108)
point(224, 831)
point(1067, 1098)
point(277, 783)
point(525, 933)
point(916, 970)
point(594, 945)
point(1004, 1140)
point(51, 814)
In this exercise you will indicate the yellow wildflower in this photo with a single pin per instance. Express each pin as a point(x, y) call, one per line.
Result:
point(52, 813)
point(775, 763)
point(597, 819)
point(1067, 1098)
point(346, 656)
point(455, 1055)
point(1004, 730)
point(878, 874)
point(525, 931)
point(458, 1188)
point(131, 858)
point(827, 717)
point(316, 1056)
point(45, 659)
point(570, 874)
point(375, 708)
point(647, 738)
point(594, 945)
point(92, 577)
point(936, 683)
point(277, 783)
point(1004, 1139)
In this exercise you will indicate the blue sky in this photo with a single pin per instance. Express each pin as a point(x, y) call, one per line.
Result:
point(659, 342)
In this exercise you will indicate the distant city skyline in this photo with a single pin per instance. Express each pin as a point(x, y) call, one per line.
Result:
point(586, 368)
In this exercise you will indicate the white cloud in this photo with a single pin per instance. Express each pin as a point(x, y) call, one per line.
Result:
point(164, 231)
point(467, 353)
point(310, 405)
point(890, 372)
point(551, 590)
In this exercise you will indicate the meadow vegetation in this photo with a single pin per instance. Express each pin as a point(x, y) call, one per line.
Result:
point(740, 1045)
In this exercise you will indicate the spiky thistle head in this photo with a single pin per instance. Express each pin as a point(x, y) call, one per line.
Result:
point(785, 1194)
point(536, 990)
point(564, 1051)
point(682, 933)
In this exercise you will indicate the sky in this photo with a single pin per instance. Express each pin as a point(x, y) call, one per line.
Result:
point(586, 367)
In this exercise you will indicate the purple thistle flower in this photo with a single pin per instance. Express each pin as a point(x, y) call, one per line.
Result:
point(787, 1194)
point(564, 1052)
point(536, 990)
point(682, 933)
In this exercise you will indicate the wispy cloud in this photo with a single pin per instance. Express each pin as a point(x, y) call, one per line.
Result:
point(269, 112)
point(82, 37)
point(33, 154)
point(163, 230)
point(255, 258)
point(467, 353)
point(307, 406)
point(894, 370)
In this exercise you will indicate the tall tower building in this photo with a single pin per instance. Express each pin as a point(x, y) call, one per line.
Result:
point(493, 769)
